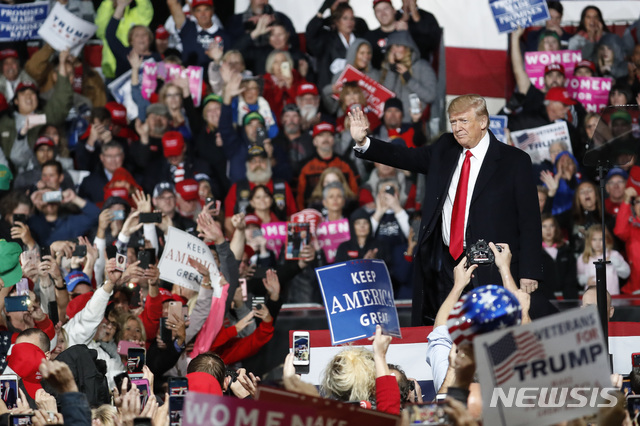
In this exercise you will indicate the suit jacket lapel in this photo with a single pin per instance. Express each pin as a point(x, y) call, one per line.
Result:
point(488, 168)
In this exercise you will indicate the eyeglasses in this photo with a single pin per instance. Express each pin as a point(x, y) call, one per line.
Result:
point(174, 95)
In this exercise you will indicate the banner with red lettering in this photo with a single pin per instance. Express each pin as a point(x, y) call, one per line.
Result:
point(277, 407)
point(326, 409)
point(591, 92)
point(375, 92)
point(330, 235)
point(534, 63)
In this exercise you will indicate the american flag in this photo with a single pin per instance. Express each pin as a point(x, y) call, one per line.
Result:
point(511, 350)
point(526, 139)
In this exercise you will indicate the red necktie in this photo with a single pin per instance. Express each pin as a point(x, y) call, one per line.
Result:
point(456, 239)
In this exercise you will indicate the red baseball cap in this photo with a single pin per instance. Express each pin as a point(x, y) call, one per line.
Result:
point(188, 189)
point(252, 219)
point(43, 140)
point(172, 143)
point(377, 2)
point(118, 113)
point(78, 303)
point(24, 85)
point(162, 33)
point(559, 94)
point(167, 296)
point(116, 192)
point(323, 127)
point(196, 3)
point(307, 89)
point(202, 382)
point(554, 67)
point(586, 64)
point(8, 53)
point(25, 360)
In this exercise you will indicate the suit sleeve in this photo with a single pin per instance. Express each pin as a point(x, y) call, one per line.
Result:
point(411, 159)
point(528, 211)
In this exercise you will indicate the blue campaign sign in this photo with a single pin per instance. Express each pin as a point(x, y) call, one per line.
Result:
point(511, 14)
point(22, 21)
point(497, 124)
point(357, 296)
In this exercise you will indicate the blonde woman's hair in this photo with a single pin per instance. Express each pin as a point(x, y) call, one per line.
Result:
point(317, 196)
point(593, 230)
point(122, 321)
point(106, 414)
point(272, 57)
point(350, 376)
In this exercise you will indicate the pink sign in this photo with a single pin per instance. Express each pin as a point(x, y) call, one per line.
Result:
point(330, 235)
point(170, 72)
point(534, 63)
point(591, 92)
point(149, 79)
point(375, 92)
point(311, 216)
point(276, 236)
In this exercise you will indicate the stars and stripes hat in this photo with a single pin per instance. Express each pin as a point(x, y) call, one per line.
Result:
point(485, 309)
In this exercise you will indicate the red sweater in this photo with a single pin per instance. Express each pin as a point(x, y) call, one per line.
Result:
point(233, 349)
point(388, 395)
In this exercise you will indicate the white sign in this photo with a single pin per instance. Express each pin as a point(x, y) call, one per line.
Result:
point(545, 372)
point(536, 142)
point(64, 30)
point(174, 264)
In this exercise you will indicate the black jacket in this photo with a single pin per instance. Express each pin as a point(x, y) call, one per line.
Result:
point(504, 208)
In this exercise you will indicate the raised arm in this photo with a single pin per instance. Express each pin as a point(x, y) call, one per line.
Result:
point(522, 78)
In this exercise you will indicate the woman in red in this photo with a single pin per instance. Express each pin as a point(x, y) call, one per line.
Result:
point(281, 81)
point(628, 230)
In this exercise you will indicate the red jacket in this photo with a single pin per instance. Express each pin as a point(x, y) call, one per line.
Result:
point(628, 230)
point(150, 317)
point(233, 349)
point(277, 96)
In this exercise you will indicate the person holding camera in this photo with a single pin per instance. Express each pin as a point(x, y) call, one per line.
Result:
point(476, 188)
point(390, 226)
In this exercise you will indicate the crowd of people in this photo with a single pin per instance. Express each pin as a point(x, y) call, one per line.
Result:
point(270, 133)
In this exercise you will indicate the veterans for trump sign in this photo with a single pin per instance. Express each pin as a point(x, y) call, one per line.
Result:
point(536, 141)
point(511, 14)
point(22, 21)
point(64, 30)
point(174, 264)
point(545, 372)
point(357, 296)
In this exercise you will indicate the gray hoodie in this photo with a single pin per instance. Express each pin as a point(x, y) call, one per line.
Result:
point(333, 105)
point(423, 79)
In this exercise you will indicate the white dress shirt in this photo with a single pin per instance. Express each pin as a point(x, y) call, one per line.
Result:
point(479, 152)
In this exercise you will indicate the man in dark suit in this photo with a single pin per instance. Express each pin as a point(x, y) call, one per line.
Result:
point(501, 206)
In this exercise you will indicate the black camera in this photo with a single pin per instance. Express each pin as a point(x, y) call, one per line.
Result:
point(480, 254)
